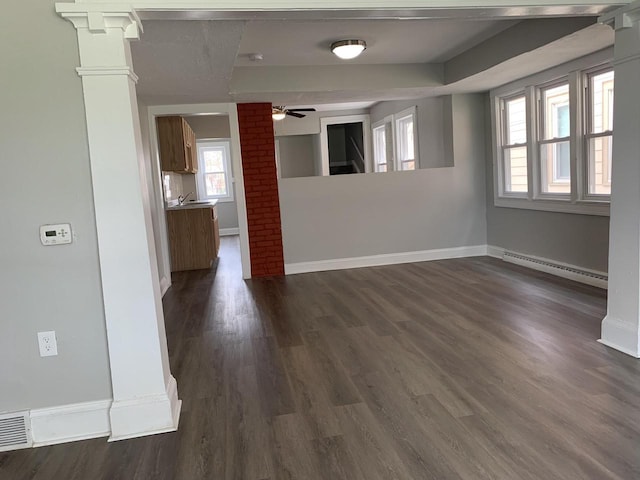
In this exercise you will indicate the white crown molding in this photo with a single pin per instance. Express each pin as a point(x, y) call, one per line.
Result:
point(69, 423)
point(99, 18)
point(385, 259)
point(624, 17)
point(146, 415)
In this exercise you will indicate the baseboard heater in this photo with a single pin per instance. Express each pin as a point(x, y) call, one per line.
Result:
point(571, 272)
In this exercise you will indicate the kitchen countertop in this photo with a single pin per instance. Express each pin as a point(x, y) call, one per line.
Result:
point(191, 205)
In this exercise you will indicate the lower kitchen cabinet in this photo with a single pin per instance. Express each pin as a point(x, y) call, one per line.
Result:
point(194, 238)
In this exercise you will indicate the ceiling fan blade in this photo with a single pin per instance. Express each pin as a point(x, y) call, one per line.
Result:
point(294, 114)
point(301, 109)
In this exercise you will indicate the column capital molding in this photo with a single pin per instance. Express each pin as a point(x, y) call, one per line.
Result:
point(98, 18)
point(624, 17)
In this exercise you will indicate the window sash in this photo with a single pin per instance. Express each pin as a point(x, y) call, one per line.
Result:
point(224, 147)
point(380, 148)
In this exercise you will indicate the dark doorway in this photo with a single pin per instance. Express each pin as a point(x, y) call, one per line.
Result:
point(346, 148)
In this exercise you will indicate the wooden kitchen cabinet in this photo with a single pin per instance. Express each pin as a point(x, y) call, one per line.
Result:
point(194, 238)
point(176, 145)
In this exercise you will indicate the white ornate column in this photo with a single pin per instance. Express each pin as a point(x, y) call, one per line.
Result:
point(145, 397)
point(621, 326)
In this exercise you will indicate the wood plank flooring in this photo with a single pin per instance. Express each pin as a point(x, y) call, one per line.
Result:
point(461, 369)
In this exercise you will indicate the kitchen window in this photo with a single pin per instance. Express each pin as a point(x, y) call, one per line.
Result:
point(214, 173)
point(553, 134)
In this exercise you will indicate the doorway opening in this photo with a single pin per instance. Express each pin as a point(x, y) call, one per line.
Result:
point(202, 204)
point(345, 145)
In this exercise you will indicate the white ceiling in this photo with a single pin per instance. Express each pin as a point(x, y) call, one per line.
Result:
point(388, 41)
point(193, 61)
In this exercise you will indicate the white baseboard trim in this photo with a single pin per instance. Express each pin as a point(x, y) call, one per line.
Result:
point(587, 276)
point(226, 232)
point(620, 335)
point(69, 423)
point(165, 283)
point(495, 252)
point(147, 415)
point(385, 259)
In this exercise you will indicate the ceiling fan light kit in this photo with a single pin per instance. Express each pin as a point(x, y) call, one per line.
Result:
point(348, 49)
point(280, 112)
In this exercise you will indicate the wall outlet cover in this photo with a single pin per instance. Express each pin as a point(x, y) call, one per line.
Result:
point(48, 344)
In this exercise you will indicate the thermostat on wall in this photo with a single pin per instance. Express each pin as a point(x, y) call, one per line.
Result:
point(58, 234)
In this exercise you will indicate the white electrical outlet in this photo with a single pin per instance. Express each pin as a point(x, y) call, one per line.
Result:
point(47, 343)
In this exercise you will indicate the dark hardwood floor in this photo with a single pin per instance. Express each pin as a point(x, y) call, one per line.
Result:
point(459, 369)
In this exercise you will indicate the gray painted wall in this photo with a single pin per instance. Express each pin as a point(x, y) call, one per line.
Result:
point(46, 179)
point(296, 155)
point(213, 126)
point(434, 127)
point(356, 215)
point(581, 240)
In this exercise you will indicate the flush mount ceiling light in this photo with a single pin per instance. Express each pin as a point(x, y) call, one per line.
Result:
point(348, 49)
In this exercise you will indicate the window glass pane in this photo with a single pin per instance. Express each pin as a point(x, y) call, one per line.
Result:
point(556, 112)
point(555, 167)
point(405, 138)
point(515, 170)
point(516, 121)
point(600, 165)
point(215, 184)
point(602, 102)
point(213, 160)
point(411, 165)
point(380, 148)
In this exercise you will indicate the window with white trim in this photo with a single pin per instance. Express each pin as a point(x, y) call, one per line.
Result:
point(599, 131)
point(553, 139)
point(214, 172)
point(395, 142)
point(405, 140)
point(514, 144)
point(380, 148)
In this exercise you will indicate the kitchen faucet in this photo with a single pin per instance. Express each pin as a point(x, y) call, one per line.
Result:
point(181, 198)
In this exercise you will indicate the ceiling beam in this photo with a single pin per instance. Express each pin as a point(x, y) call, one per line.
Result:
point(523, 37)
point(332, 78)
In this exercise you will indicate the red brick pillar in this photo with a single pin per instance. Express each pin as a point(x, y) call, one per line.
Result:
point(261, 189)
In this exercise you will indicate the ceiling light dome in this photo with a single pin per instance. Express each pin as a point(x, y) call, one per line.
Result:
point(278, 113)
point(348, 49)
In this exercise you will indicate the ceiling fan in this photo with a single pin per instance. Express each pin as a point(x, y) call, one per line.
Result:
point(279, 112)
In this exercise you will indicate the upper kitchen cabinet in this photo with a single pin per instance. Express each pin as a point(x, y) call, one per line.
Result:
point(176, 145)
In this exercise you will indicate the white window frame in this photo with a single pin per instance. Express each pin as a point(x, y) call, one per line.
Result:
point(578, 201)
point(503, 146)
point(397, 118)
point(386, 124)
point(229, 180)
point(587, 75)
point(392, 145)
point(541, 114)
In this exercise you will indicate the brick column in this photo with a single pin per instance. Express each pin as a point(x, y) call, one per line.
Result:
point(261, 189)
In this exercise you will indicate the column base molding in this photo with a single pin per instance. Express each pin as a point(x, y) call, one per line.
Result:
point(147, 415)
point(620, 335)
